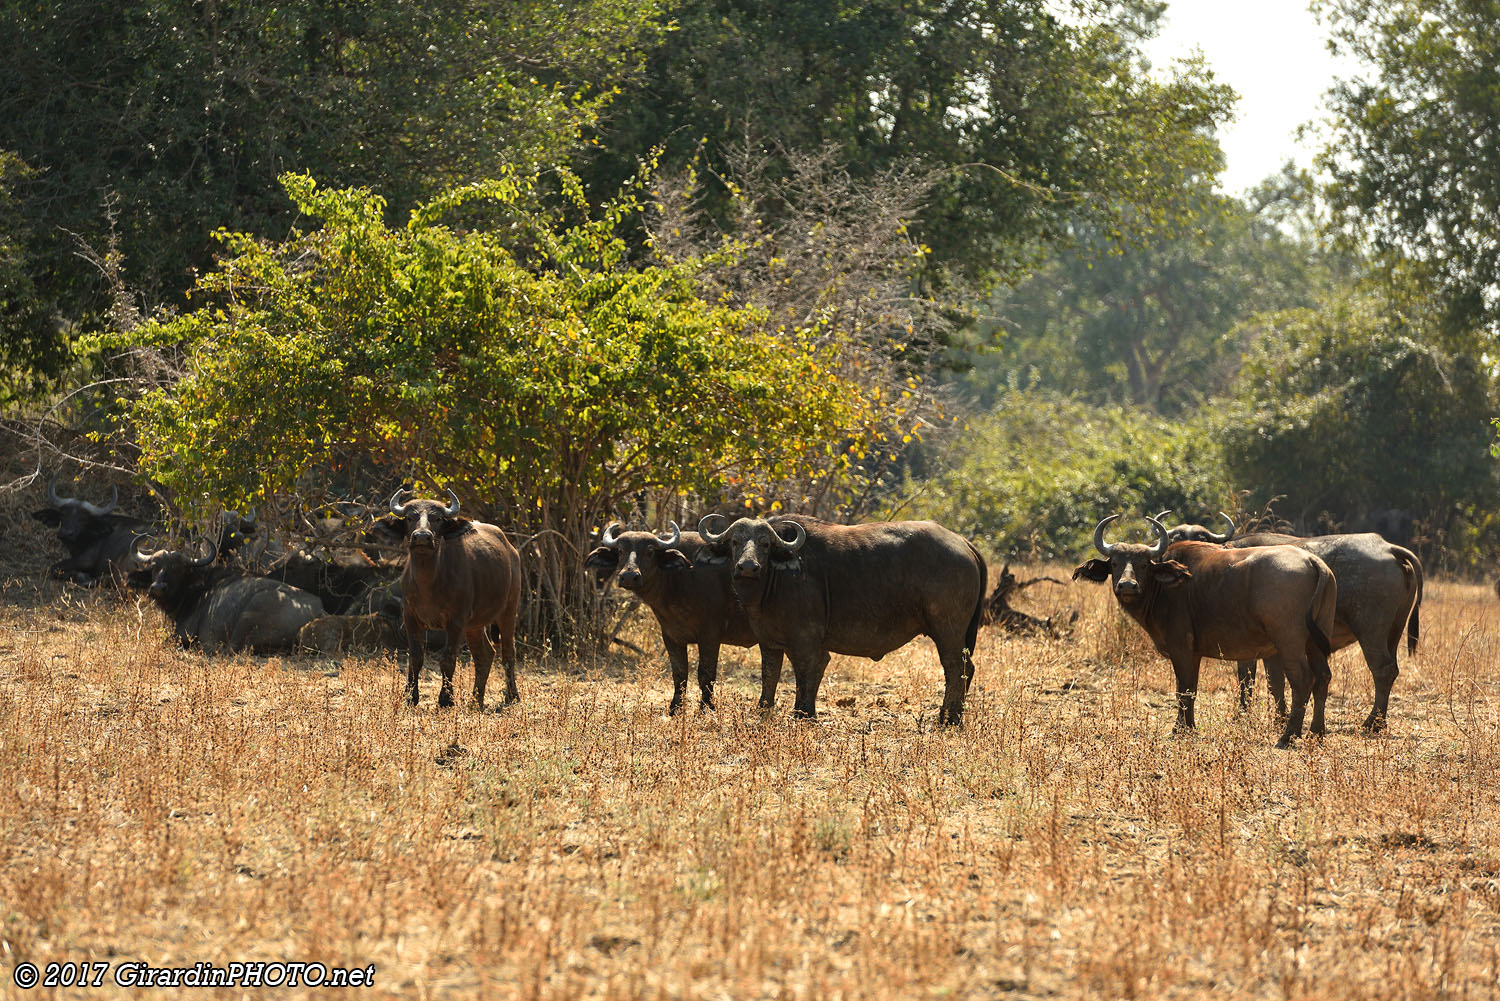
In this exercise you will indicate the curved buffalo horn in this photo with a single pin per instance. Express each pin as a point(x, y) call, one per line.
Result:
point(676, 537)
point(1221, 539)
point(1104, 548)
point(452, 508)
point(209, 552)
point(611, 537)
point(1162, 516)
point(398, 508)
point(99, 512)
point(1161, 539)
point(708, 536)
point(145, 559)
point(53, 497)
point(798, 539)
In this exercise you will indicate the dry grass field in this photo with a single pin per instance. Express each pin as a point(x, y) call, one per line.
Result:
point(162, 806)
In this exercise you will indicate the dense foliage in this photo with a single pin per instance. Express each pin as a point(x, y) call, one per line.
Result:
point(186, 113)
point(536, 373)
point(1160, 323)
point(1036, 474)
point(1414, 155)
point(1357, 408)
point(1032, 119)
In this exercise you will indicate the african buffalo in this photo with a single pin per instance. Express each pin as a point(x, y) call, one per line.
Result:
point(462, 577)
point(99, 542)
point(341, 586)
point(1196, 600)
point(687, 588)
point(862, 590)
point(329, 634)
point(218, 607)
point(1380, 594)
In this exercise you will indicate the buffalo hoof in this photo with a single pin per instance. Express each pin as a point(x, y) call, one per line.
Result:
point(1373, 726)
point(445, 701)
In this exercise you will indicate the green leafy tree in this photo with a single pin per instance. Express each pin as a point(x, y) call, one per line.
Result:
point(186, 112)
point(1035, 475)
point(1356, 407)
point(1413, 158)
point(532, 369)
point(32, 347)
point(1158, 324)
point(1032, 120)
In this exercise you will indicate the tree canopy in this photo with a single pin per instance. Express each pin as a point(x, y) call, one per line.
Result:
point(1415, 152)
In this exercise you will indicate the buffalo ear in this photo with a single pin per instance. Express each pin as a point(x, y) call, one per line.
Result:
point(603, 561)
point(1169, 574)
point(48, 516)
point(388, 529)
point(1094, 570)
point(454, 526)
point(675, 559)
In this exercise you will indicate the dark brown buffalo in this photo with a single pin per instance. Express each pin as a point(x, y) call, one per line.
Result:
point(219, 607)
point(1380, 594)
point(687, 587)
point(100, 543)
point(341, 586)
point(1196, 600)
point(862, 590)
point(461, 577)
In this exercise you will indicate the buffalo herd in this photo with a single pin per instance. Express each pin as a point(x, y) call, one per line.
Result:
point(797, 587)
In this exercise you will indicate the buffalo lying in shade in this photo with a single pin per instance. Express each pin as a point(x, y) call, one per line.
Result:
point(687, 588)
point(330, 634)
point(100, 543)
point(220, 608)
point(1197, 599)
point(1380, 595)
point(811, 588)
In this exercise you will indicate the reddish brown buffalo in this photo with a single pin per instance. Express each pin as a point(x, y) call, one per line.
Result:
point(1196, 600)
point(461, 577)
point(1380, 594)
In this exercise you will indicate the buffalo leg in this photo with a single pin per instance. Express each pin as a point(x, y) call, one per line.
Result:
point(416, 652)
point(809, 673)
point(770, 677)
point(1299, 676)
point(958, 672)
point(1383, 671)
point(449, 662)
point(708, 672)
point(483, 653)
point(1245, 671)
point(1187, 691)
point(507, 630)
point(1276, 685)
point(677, 656)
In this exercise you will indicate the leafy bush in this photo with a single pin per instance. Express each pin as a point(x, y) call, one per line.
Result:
point(1035, 475)
point(530, 368)
point(1358, 407)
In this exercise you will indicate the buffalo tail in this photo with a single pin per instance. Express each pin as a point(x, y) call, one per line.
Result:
point(1315, 634)
point(1413, 566)
point(971, 637)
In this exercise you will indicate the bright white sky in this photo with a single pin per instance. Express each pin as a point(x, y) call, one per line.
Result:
point(1274, 54)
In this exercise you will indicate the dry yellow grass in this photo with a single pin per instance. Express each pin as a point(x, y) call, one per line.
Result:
point(167, 807)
